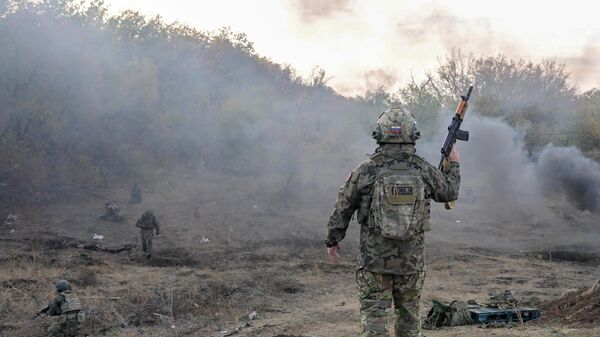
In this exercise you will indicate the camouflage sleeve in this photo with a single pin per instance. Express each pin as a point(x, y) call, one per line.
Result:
point(444, 186)
point(54, 307)
point(156, 226)
point(347, 203)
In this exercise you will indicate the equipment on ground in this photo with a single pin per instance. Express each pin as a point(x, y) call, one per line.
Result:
point(458, 313)
point(483, 315)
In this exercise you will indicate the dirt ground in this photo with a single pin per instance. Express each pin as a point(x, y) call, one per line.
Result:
point(224, 256)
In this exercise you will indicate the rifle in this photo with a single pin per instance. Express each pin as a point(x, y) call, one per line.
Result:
point(454, 134)
point(42, 312)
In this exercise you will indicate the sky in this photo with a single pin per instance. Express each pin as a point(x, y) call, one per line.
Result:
point(366, 44)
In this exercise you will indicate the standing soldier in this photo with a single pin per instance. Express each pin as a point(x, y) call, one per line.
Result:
point(136, 194)
point(147, 224)
point(392, 192)
point(67, 307)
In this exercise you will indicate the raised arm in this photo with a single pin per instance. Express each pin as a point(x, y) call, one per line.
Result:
point(444, 186)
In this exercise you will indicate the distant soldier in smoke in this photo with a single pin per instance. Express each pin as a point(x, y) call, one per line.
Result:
point(112, 212)
point(136, 194)
point(148, 224)
point(67, 307)
point(392, 193)
point(10, 220)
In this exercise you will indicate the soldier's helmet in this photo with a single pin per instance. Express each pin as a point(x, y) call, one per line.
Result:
point(62, 285)
point(396, 125)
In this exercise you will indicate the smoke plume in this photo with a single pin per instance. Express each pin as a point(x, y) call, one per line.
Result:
point(311, 10)
point(102, 102)
point(566, 170)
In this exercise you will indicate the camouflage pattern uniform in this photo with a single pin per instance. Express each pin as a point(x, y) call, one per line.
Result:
point(148, 224)
point(390, 270)
point(67, 307)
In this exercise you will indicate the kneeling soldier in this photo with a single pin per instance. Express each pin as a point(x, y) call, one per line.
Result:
point(67, 307)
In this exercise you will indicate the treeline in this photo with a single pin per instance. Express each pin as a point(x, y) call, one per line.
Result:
point(535, 98)
point(89, 99)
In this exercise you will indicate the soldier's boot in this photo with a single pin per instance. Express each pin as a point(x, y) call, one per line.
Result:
point(407, 294)
point(375, 297)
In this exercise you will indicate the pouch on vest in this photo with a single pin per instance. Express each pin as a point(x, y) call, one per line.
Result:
point(71, 303)
point(398, 196)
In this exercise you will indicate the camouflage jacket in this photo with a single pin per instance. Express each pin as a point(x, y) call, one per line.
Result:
point(377, 253)
point(148, 221)
point(63, 303)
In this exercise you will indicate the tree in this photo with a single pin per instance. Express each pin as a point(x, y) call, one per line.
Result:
point(534, 97)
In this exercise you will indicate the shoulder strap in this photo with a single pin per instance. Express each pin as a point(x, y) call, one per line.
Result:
point(378, 158)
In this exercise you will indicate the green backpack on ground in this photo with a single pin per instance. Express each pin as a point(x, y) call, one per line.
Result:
point(454, 314)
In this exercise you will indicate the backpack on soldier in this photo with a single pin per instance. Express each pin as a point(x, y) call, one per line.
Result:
point(398, 200)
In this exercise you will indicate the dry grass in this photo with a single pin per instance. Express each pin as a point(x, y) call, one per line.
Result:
point(200, 288)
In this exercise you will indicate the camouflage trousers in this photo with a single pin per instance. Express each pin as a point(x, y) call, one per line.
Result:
point(67, 325)
point(376, 294)
point(147, 235)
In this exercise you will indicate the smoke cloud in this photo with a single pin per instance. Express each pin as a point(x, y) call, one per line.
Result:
point(511, 199)
point(566, 170)
point(585, 67)
point(497, 174)
point(99, 105)
point(311, 10)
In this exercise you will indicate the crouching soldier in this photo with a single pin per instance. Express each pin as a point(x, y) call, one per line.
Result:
point(148, 224)
point(112, 212)
point(67, 307)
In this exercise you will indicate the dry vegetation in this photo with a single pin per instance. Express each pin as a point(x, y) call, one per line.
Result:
point(240, 158)
point(191, 288)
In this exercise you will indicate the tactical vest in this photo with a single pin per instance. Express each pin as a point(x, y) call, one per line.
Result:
point(70, 303)
point(399, 204)
point(147, 222)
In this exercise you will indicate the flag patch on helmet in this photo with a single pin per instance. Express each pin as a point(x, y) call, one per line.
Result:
point(395, 129)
